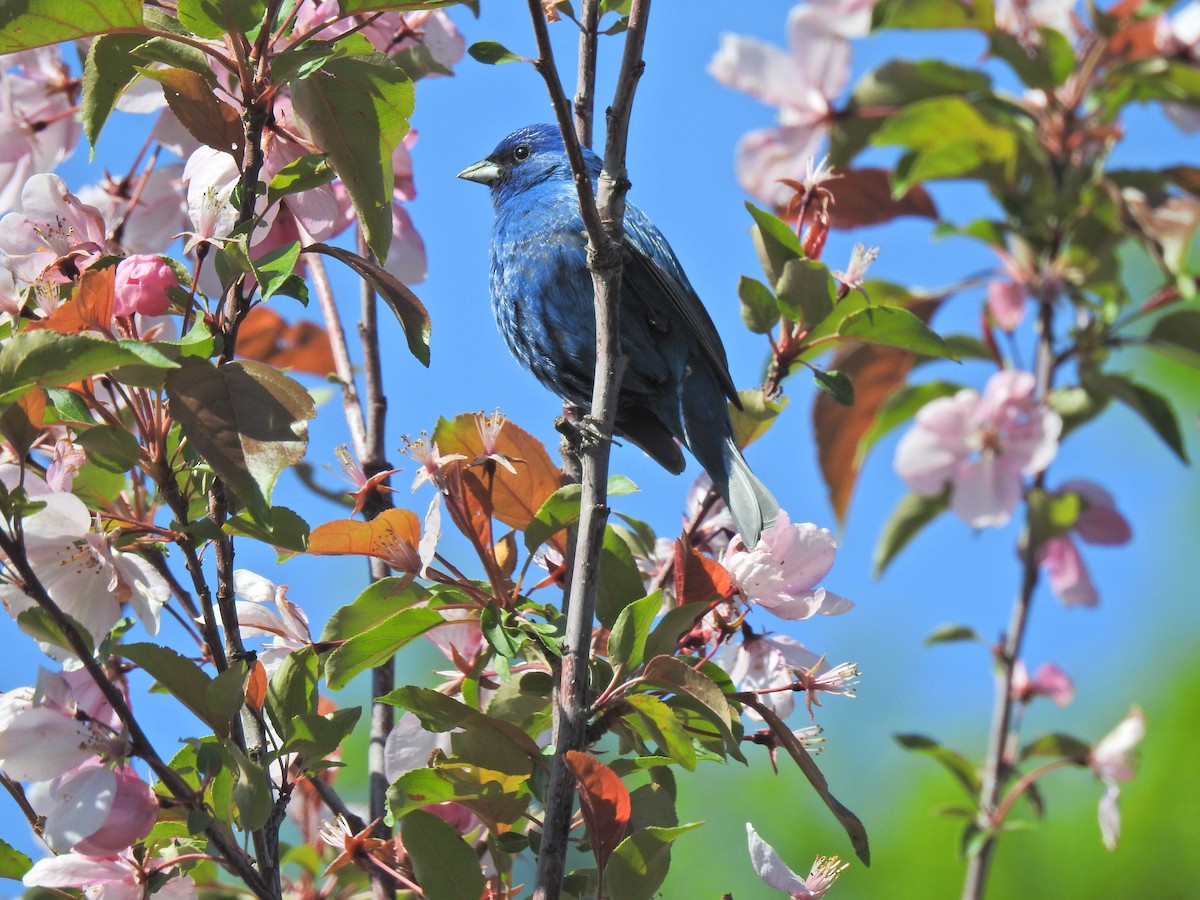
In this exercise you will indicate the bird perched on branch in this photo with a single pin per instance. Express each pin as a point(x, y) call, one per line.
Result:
point(676, 380)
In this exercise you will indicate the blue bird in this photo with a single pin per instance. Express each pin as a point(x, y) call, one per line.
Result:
point(676, 382)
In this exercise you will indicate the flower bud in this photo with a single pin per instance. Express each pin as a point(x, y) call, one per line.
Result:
point(142, 284)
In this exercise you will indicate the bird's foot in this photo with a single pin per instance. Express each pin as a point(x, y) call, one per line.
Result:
point(582, 431)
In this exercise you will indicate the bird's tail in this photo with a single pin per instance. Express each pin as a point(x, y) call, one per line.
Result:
point(752, 506)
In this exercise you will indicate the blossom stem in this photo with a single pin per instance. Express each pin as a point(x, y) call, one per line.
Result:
point(998, 764)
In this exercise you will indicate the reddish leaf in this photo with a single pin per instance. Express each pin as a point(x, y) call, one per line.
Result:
point(875, 372)
point(515, 496)
point(392, 536)
point(604, 802)
point(302, 346)
point(90, 307)
point(207, 118)
point(698, 579)
point(1135, 36)
point(864, 197)
point(256, 686)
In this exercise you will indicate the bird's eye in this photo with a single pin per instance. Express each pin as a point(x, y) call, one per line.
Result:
point(521, 153)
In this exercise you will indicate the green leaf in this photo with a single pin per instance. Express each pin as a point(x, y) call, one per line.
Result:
point(946, 634)
point(1177, 335)
point(107, 71)
point(26, 24)
point(561, 509)
point(251, 790)
point(445, 865)
point(378, 644)
point(309, 171)
point(760, 311)
point(1061, 745)
point(45, 359)
point(806, 291)
point(836, 384)
point(275, 267)
point(69, 406)
point(13, 863)
point(314, 736)
point(379, 602)
point(413, 316)
point(620, 579)
point(36, 623)
point(226, 694)
point(900, 82)
point(185, 680)
point(953, 761)
point(755, 417)
point(927, 14)
point(677, 622)
point(775, 242)
point(664, 727)
point(1151, 406)
point(627, 640)
point(891, 326)
point(911, 514)
point(287, 531)
point(114, 449)
point(357, 109)
point(292, 690)
point(246, 419)
point(696, 691)
point(215, 18)
point(440, 713)
point(177, 56)
point(949, 138)
point(492, 53)
point(1044, 63)
point(638, 866)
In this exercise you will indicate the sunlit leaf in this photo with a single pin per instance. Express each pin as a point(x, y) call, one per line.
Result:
point(603, 801)
point(25, 24)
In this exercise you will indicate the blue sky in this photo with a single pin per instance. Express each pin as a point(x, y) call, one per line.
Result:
point(682, 137)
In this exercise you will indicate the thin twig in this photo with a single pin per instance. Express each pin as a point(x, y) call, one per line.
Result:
point(351, 406)
point(604, 227)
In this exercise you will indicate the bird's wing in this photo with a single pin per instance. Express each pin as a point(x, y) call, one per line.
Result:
point(651, 269)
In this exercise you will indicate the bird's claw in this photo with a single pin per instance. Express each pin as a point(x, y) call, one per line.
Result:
point(582, 432)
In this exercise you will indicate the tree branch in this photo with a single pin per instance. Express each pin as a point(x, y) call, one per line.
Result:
point(604, 228)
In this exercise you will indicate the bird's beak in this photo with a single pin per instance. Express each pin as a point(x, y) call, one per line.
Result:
point(485, 172)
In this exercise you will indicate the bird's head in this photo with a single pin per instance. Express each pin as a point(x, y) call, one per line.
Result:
point(526, 157)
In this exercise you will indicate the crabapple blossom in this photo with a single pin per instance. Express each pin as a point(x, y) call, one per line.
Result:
point(53, 228)
point(83, 573)
point(38, 128)
point(121, 877)
point(1049, 681)
point(781, 572)
point(61, 723)
point(1006, 303)
point(802, 82)
point(140, 210)
point(1179, 35)
point(141, 286)
point(776, 873)
point(981, 446)
point(1098, 522)
point(1022, 18)
point(94, 809)
point(1111, 760)
point(287, 623)
point(777, 667)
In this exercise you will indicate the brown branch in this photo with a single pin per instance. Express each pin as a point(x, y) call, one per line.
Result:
point(239, 863)
point(604, 227)
point(585, 90)
point(998, 766)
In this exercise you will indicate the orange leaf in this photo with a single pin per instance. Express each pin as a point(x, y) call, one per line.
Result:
point(604, 802)
point(876, 373)
point(515, 497)
point(392, 536)
point(698, 579)
point(256, 686)
point(301, 346)
point(22, 422)
point(90, 307)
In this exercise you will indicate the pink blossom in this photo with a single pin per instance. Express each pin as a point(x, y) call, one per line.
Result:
point(211, 177)
point(981, 446)
point(1049, 681)
point(1099, 522)
point(1022, 18)
point(715, 529)
point(768, 664)
point(142, 283)
point(61, 723)
point(431, 459)
point(802, 82)
point(68, 459)
point(1111, 760)
point(1006, 303)
point(390, 33)
point(53, 227)
point(38, 128)
point(139, 211)
point(287, 623)
point(96, 810)
point(118, 878)
point(776, 873)
point(782, 571)
point(1179, 35)
point(861, 258)
point(83, 573)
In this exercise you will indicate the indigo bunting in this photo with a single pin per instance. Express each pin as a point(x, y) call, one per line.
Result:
point(676, 381)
